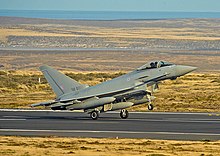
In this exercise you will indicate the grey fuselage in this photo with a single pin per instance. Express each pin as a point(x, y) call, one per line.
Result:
point(134, 80)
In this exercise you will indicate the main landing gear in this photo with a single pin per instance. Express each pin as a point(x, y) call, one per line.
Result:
point(124, 114)
point(94, 115)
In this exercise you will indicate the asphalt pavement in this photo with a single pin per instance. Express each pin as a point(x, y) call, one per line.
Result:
point(151, 125)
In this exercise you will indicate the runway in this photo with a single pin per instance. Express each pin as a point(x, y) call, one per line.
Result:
point(151, 125)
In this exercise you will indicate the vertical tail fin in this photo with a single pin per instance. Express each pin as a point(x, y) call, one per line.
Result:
point(60, 83)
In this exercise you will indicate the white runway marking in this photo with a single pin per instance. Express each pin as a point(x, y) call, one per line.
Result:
point(13, 116)
point(12, 119)
point(119, 132)
point(171, 120)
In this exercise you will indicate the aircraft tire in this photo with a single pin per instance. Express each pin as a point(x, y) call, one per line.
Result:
point(94, 115)
point(124, 114)
point(150, 107)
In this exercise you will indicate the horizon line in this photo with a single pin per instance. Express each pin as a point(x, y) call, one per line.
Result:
point(110, 11)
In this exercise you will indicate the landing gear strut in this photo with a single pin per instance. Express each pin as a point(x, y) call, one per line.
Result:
point(150, 107)
point(94, 115)
point(124, 114)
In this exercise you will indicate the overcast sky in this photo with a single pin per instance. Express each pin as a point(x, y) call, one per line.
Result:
point(114, 5)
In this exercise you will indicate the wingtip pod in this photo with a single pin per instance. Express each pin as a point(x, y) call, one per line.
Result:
point(43, 67)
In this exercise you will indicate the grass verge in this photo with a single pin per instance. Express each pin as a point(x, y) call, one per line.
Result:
point(27, 146)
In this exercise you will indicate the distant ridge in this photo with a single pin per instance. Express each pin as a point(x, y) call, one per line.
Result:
point(105, 15)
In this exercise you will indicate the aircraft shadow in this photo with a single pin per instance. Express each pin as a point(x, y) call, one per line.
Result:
point(70, 118)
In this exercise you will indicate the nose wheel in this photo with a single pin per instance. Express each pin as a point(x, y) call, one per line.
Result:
point(94, 115)
point(124, 114)
point(150, 107)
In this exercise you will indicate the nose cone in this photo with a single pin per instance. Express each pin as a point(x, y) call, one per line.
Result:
point(182, 70)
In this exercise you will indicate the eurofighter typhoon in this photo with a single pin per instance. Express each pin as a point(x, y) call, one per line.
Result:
point(117, 94)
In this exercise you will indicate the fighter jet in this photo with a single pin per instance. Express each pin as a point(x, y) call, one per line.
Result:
point(119, 93)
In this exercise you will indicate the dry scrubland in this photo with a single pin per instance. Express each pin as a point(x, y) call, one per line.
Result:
point(16, 146)
point(82, 61)
point(165, 34)
point(83, 36)
point(190, 93)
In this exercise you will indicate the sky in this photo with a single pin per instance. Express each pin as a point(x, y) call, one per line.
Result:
point(114, 5)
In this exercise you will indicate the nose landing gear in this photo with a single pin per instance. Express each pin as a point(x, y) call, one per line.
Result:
point(150, 107)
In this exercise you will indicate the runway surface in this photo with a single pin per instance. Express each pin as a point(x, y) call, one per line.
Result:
point(152, 125)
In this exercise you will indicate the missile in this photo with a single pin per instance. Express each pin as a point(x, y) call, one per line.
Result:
point(60, 105)
point(121, 105)
point(47, 103)
point(91, 103)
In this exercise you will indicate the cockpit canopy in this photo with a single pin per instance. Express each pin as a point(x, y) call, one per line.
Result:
point(154, 64)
